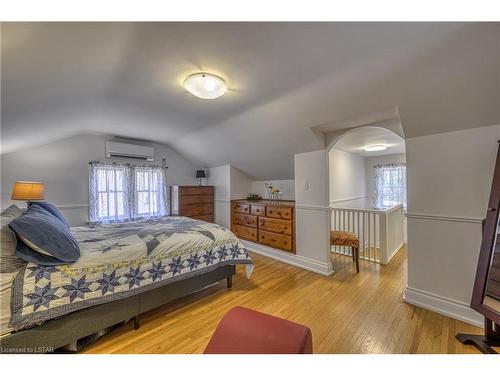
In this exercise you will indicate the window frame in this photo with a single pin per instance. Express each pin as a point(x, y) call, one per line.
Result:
point(148, 191)
point(124, 192)
point(110, 192)
point(385, 177)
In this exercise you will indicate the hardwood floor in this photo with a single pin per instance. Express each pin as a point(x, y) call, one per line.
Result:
point(347, 312)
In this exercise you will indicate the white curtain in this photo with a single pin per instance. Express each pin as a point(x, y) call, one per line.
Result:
point(149, 192)
point(120, 192)
point(390, 185)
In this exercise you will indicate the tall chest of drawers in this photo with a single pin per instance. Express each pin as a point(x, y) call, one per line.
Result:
point(270, 223)
point(196, 202)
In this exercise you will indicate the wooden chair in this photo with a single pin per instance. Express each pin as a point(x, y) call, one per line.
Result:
point(348, 239)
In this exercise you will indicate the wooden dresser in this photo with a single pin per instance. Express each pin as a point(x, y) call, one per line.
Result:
point(196, 202)
point(270, 223)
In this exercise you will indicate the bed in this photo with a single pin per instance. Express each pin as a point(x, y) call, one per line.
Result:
point(124, 270)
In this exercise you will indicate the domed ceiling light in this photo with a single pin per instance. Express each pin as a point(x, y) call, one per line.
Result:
point(205, 85)
point(371, 148)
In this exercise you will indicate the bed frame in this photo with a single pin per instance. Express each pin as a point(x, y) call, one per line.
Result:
point(62, 331)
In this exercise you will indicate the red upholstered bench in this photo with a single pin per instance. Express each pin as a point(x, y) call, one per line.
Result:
point(244, 331)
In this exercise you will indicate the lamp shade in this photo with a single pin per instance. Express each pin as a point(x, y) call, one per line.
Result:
point(28, 191)
point(200, 173)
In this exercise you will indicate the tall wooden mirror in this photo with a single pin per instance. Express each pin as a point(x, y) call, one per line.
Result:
point(486, 293)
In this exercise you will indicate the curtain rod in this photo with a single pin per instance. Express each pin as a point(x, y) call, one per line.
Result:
point(164, 164)
point(390, 165)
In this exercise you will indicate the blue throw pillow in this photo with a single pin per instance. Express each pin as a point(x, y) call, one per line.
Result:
point(47, 206)
point(44, 239)
point(27, 254)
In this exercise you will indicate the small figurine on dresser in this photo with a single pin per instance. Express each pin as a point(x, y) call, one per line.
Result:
point(273, 193)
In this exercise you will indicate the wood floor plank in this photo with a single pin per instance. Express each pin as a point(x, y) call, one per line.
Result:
point(347, 312)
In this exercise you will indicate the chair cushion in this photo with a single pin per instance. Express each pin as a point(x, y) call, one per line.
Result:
point(341, 238)
point(244, 331)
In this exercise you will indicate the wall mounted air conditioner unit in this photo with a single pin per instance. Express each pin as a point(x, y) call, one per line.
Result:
point(129, 150)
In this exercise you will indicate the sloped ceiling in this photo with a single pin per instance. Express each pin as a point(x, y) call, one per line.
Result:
point(286, 79)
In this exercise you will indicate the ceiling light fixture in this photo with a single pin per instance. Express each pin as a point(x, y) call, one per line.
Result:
point(205, 85)
point(371, 148)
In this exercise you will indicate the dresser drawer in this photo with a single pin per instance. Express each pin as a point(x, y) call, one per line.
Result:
point(247, 220)
point(245, 232)
point(196, 199)
point(258, 210)
point(197, 209)
point(241, 208)
point(279, 241)
point(279, 212)
point(197, 190)
point(275, 225)
point(208, 218)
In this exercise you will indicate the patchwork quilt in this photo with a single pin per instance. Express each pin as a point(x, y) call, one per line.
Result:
point(119, 260)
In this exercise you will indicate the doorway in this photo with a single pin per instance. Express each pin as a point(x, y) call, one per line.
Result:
point(367, 193)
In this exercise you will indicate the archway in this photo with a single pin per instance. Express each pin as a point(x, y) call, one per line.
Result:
point(367, 191)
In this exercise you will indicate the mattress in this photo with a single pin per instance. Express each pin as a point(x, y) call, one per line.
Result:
point(6, 280)
point(120, 260)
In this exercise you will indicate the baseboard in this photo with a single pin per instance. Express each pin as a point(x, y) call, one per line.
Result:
point(321, 268)
point(446, 306)
point(395, 251)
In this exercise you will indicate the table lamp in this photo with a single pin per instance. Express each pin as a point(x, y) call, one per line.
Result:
point(28, 191)
point(200, 173)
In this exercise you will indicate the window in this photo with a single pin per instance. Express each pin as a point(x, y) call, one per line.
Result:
point(126, 192)
point(148, 190)
point(390, 185)
point(110, 192)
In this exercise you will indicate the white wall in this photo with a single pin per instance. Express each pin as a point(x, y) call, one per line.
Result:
point(312, 209)
point(230, 183)
point(220, 177)
point(370, 162)
point(312, 216)
point(63, 167)
point(240, 184)
point(347, 176)
point(449, 179)
point(285, 186)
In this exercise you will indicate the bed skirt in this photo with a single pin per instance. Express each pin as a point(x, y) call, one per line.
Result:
point(62, 331)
